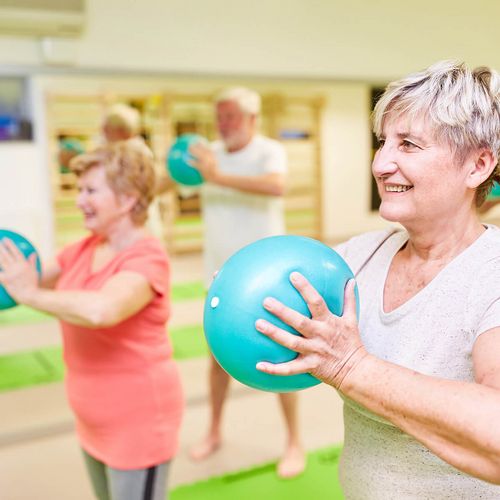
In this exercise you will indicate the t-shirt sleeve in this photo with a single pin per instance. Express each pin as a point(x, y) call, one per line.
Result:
point(487, 296)
point(152, 263)
point(275, 160)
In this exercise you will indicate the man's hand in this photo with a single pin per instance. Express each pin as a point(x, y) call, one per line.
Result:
point(205, 161)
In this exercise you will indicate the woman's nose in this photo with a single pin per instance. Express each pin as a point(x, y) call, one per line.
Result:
point(80, 198)
point(384, 162)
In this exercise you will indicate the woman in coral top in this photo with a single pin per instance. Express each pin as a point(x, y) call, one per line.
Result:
point(111, 293)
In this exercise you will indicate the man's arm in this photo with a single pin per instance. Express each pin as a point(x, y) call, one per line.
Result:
point(271, 184)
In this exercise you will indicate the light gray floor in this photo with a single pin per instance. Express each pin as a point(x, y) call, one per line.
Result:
point(39, 454)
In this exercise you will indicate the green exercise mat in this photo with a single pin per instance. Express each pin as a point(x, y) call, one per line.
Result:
point(45, 365)
point(319, 480)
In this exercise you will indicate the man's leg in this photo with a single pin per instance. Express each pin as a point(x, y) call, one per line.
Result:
point(293, 460)
point(219, 384)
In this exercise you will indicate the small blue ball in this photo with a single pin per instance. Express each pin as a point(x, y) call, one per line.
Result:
point(6, 301)
point(234, 303)
point(178, 157)
point(495, 192)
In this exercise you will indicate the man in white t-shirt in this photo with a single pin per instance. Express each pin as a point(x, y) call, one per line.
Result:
point(242, 201)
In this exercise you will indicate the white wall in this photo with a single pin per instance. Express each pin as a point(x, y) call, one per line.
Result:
point(355, 39)
point(23, 206)
point(339, 46)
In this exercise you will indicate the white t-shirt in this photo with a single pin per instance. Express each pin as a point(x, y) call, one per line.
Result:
point(433, 333)
point(233, 218)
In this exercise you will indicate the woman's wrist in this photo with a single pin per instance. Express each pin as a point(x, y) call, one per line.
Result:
point(29, 297)
point(360, 365)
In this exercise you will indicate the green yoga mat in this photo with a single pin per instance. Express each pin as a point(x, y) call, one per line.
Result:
point(24, 369)
point(24, 315)
point(320, 480)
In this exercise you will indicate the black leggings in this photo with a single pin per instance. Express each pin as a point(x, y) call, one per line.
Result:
point(135, 484)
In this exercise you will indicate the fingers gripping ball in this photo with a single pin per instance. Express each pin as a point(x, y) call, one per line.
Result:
point(178, 160)
point(234, 303)
point(6, 301)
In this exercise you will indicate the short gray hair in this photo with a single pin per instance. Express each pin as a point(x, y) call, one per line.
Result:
point(463, 106)
point(247, 100)
point(123, 116)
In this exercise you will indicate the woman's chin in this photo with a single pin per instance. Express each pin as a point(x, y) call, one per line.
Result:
point(390, 215)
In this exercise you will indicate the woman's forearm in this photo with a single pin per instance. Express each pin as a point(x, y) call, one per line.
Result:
point(458, 421)
point(87, 308)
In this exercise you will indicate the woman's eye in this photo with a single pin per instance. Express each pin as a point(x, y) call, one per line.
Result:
point(409, 145)
point(381, 143)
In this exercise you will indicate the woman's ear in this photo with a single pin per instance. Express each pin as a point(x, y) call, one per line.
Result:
point(481, 165)
point(127, 202)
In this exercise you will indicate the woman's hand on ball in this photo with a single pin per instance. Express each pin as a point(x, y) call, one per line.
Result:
point(18, 275)
point(330, 346)
point(204, 161)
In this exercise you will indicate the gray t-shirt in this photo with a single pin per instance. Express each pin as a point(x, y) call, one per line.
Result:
point(432, 333)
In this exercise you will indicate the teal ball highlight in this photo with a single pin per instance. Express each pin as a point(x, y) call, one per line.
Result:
point(234, 303)
point(26, 247)
point(178, 158)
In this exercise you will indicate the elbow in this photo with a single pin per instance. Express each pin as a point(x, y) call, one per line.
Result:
point(102, 316)
point(278, 190)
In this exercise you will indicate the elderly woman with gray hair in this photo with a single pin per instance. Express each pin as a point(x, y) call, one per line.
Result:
point(420, 372)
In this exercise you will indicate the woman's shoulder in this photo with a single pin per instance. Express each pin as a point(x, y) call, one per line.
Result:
point(149, 245)
point(493, 234)
point(146, 250)
point(78, 247)
point(359, 249)
point(487, 248)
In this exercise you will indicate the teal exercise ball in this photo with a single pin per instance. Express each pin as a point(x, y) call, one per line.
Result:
point(6, 301)
point(178, 160)
point(495, 192)
point(234, 303)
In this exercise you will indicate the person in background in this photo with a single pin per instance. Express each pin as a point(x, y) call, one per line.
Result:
point(242, 201)
point(110, 292)
point(420, 371)
point(123, 123)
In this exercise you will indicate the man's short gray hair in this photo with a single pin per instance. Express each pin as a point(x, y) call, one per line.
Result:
point(462, 106)
point(247, 100)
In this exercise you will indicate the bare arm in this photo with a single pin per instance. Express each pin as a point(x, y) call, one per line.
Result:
point(50, 274)
point(457, 421)
point(268, 184)
point(121, 296)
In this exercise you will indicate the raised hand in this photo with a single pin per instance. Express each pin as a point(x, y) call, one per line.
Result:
point(18, 275)
point(204, 160)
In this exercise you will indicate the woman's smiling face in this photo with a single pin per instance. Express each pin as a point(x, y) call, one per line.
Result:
point(417, 176)
point(100, 206)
